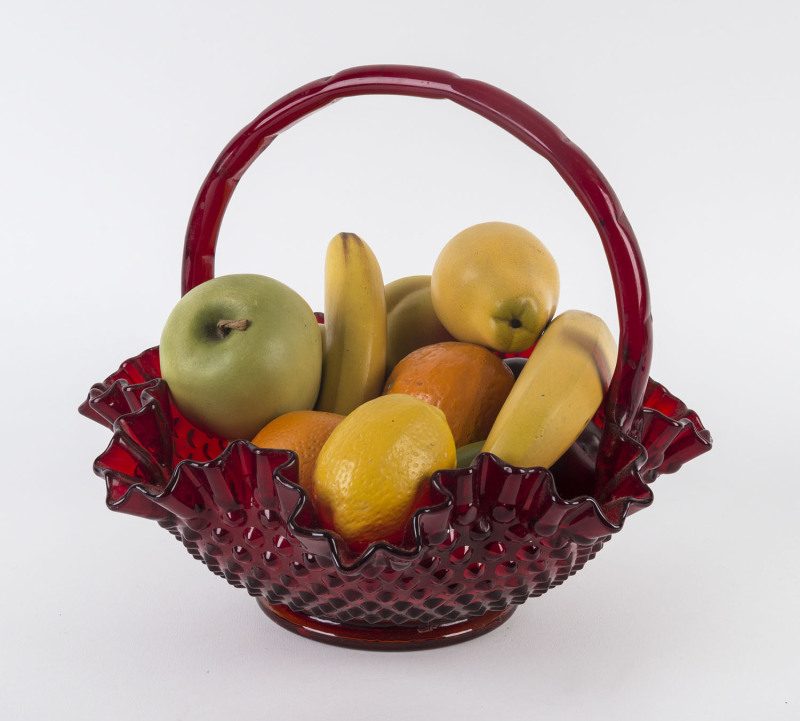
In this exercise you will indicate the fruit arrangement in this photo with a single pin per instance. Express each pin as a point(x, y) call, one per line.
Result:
point(243, 356)
point(417, 467)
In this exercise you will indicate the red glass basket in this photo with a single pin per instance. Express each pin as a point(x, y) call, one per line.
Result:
point(494, 535)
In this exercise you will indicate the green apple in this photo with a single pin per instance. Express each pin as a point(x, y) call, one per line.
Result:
point(238, 351)
point(497, 285)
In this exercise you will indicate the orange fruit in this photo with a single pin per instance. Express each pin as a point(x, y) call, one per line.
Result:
point(374, 470)
point(303, 432)
point(467, 382)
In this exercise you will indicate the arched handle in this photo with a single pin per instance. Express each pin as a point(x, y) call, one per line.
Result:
point(624, 398)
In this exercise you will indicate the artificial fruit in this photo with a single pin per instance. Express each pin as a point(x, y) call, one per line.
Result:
point(238, 351)
point(557, 393)
point(497, 285)
point(411, 324)
point(355, 326)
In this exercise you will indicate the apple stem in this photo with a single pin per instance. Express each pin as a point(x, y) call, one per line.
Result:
point(224, 327)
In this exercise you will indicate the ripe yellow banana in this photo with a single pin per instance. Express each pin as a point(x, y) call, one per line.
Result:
point(355, 326)
point(398, 289)
point(557, 393)
point(412, 324)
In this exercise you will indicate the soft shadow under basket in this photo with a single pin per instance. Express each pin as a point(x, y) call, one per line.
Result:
point(494, 535)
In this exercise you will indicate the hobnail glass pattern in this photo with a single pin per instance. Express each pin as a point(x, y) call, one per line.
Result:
point(493, 536)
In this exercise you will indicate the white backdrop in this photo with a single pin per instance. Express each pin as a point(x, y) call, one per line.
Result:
point(110, 116)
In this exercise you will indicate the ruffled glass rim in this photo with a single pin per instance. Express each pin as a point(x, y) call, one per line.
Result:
point(159, 466)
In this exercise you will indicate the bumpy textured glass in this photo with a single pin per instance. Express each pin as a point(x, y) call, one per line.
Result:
point(493, 535)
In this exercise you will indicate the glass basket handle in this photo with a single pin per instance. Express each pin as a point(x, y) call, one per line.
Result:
point(624, 399)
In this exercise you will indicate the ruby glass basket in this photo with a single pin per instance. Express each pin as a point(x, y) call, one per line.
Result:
point(493, 536)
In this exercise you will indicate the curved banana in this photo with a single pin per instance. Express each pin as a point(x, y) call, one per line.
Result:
point(398, 289)
point(557, 393)
point(412, 324)
point(355, 326)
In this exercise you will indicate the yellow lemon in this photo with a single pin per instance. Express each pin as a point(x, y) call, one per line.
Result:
point(497, 285)
point(373, 471)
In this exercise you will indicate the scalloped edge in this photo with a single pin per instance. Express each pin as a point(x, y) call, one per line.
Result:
point(141, 498)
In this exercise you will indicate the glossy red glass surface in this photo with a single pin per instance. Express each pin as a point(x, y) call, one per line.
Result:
point(494, 535)
point(389, 638)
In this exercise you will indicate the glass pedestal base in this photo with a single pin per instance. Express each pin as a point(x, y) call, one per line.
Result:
point(385, 638)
